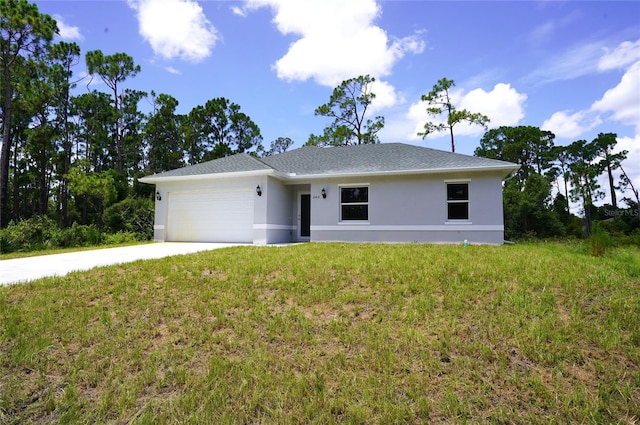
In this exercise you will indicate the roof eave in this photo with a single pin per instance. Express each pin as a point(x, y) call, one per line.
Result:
point(210, 176)
point(505, 169)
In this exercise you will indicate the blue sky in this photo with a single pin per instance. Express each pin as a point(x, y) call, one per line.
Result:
point(571, 67)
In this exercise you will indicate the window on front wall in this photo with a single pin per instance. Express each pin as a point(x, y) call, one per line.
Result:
point(354, 203)
point(458, 201)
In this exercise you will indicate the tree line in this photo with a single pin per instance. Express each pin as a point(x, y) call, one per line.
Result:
point(69, 156)
point(571, 172)
point(76, 158)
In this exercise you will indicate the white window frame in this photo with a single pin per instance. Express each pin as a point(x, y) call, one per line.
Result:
point(340, 204)
point(467, 201)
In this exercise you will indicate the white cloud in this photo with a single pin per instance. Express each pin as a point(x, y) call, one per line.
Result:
point(584, 59)
point(503, 105)
point(565, 124)
point(573, 63)
point(175, 28)
point(624, 99)
point(386, 96)
point(337, 40)
point(172, 70)
point(625, 54)
point(620, 101)
point(238, 11)
point(67, 32)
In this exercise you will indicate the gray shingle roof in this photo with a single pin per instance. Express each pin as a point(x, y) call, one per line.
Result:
point(366, 159)
point(384, 157)
point(229, 164)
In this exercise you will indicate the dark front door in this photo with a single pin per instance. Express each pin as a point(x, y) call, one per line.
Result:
point(305, 215)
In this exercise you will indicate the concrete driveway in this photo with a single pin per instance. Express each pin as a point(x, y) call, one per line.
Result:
point(31, 268)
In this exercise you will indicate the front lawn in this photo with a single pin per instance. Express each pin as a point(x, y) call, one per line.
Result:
point(329, 333)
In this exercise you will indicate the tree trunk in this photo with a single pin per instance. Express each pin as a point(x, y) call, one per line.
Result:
point(566, 194)
point(43, 201)
point(5, 153)
point(16, 187)
point(614, 202)
point(453, 146)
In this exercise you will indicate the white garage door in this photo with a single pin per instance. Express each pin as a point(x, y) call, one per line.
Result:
point(211, 216)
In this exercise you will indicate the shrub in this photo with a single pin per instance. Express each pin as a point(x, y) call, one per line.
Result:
point(132, 215)
point(121, 238)
point(600, 240)
point(77, 235)
point(28, 235)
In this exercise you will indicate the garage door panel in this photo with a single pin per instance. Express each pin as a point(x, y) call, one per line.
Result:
point(213, 216)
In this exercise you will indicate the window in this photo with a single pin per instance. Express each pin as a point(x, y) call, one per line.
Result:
point(354, 203)
point(458, 201)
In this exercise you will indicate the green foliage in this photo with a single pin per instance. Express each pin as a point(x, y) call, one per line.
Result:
point(40, 232)
point(28, 235)
point(77, 235)
point(99, 185)
point(218, 129)
point(439, 102)
point(348, 106)
point(121, 238)
point(280, 145)
point(528, 211)
point(600, 240)
point(132, 215)
point(162, 133)
point(609, 161)
point(24, 34)
point(583, 175)
point(127, 221)
point(527, 207)
point(527, 146)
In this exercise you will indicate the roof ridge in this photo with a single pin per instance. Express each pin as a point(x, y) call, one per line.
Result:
point(255, 158)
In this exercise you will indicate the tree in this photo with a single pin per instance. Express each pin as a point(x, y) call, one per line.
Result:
point(528, 210)
point(280, 145)
point(64, 56)
point(162, 132)
point(218, 129)
point(562, 159)
point(349, 105)
point(23, 31)
point(38, 100)
point(133, 121)
point(91, 186)
point(439, 102)
point(113, 70)
point(625, 184)
point(95, 118)
point(528, 146)
point(583, 176)
point(609, 161)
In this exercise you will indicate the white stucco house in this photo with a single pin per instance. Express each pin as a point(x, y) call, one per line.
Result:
point(388, 192)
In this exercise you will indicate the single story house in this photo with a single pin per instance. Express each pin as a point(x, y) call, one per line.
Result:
point(389, 192)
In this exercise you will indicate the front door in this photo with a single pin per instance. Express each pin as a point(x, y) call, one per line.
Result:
point(304, 220)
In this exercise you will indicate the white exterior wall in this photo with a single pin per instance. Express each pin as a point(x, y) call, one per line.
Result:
point(401, 208)
point(275, 223)
point(411, 209)
point(192, 185)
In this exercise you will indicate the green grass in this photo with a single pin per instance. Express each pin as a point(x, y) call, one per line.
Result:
point(330, 333)
point(37, 253)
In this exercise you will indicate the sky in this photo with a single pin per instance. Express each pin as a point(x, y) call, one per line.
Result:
point(570, 67)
